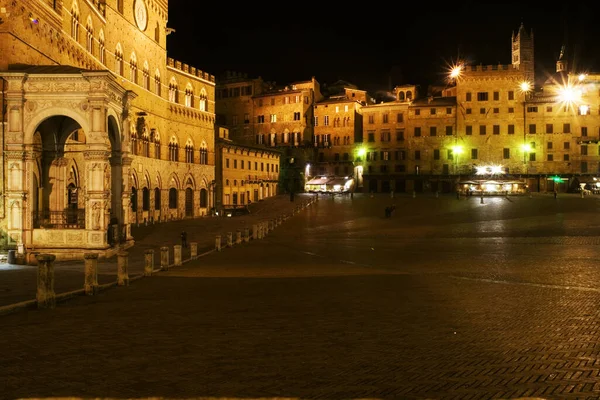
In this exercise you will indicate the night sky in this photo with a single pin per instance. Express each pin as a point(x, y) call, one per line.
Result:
point(375, 49)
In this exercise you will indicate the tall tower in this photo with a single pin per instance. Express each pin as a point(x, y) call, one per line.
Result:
point(522, 52)
point(561, 63)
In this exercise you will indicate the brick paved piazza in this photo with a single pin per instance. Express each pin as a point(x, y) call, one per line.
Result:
point(448, 299)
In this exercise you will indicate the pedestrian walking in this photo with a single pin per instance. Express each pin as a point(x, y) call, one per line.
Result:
point(184, 239)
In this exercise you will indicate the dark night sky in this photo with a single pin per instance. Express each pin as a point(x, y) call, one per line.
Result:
point(374, 49)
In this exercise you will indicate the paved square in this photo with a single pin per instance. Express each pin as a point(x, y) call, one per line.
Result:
point(447, 299)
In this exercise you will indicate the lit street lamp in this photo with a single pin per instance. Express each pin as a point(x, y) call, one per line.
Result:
point(525, 89)
point(456, 151)
point(526, 150)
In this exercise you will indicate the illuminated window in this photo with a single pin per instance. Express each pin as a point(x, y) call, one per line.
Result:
point(89, 40)
point(133, 69)
point(157, 84)
point(101, 48)
point(75, 21)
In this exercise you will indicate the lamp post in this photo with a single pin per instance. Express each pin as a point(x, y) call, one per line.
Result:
point(456, 152)
point(361, 152)
point(525, 89)
point(453, 77)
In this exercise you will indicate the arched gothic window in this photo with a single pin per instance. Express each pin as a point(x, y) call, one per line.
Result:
point(133, 68)
point(146, 76)
point(101, 48)
point(75, 21)
point(89, 40)
point(203, 154)
point(173, 150)
point(203, 101)
point(157, 84)
point(189, 152)
point(173, 91)
point(189, 96)
point(119, 60)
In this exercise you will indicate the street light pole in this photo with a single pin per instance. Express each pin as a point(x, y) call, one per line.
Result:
point(525, 88)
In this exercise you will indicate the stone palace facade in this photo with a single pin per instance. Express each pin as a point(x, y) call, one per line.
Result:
point(100, 129)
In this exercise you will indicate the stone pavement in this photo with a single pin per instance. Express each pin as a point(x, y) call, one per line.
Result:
point(445, 300)
point(18, 282)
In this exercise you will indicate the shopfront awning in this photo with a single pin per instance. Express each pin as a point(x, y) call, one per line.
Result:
point(318, 181)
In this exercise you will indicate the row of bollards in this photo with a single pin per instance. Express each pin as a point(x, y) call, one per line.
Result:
point(46, 296)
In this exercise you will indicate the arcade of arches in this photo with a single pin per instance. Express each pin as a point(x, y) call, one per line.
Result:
point(72, 184)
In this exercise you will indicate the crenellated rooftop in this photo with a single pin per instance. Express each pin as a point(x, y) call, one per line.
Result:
point(509, 68)
point(189, 70)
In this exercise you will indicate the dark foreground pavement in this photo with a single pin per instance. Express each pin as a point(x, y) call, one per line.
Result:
point(18, 282)
point(445, 300)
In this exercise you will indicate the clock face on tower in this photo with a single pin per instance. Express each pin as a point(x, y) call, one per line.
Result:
point(141, 14)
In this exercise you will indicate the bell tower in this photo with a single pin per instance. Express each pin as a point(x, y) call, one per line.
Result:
point(522, 52)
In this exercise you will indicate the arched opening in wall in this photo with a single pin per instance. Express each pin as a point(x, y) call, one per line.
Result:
point(145, 199)
point(189, 202)
point(203, 198)
point(134, 199)
point(157, 199)
point(385, 186)
point(173, 199)
point(373, 185)
point(116, 171)
point(400, 186)
point(34, 199)
point(59, 143)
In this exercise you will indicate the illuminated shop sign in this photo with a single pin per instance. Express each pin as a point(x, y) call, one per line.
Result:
point(489, 170)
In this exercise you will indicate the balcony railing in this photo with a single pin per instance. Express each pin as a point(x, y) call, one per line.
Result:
point(68, 219)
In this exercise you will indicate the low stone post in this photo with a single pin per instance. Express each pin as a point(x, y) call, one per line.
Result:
point(90, 285)
point(46, 298)
point(193, 250)
point(254, 232)
point(238, 237)
point(177, 255)
point(271, 224)
point(164, 258)
point(246, 235)
point(148, 262)
point(265, 225)
point(261, 232)
point(229, 239)
point(122, 268)
point(218, 243)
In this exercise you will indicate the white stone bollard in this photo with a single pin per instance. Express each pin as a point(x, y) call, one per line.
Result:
point(218, 243)
point(177, 255)
point(238, 237)
point(46, 298)
point(122, 268)
point(90, 285)
point(229, 239)
point(254, 232)
point(148, 262)
point(193, 250)
point(246, 235)
point(164, 258)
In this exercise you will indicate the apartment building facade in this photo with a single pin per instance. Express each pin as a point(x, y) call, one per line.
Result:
point(244, 173)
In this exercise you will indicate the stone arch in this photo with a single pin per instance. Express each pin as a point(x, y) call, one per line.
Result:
point(113, 130)
point(189, 181)
point(174, 181)
point(147, 181)
point(158, 180)
point(42, 115)
point(134, 178)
